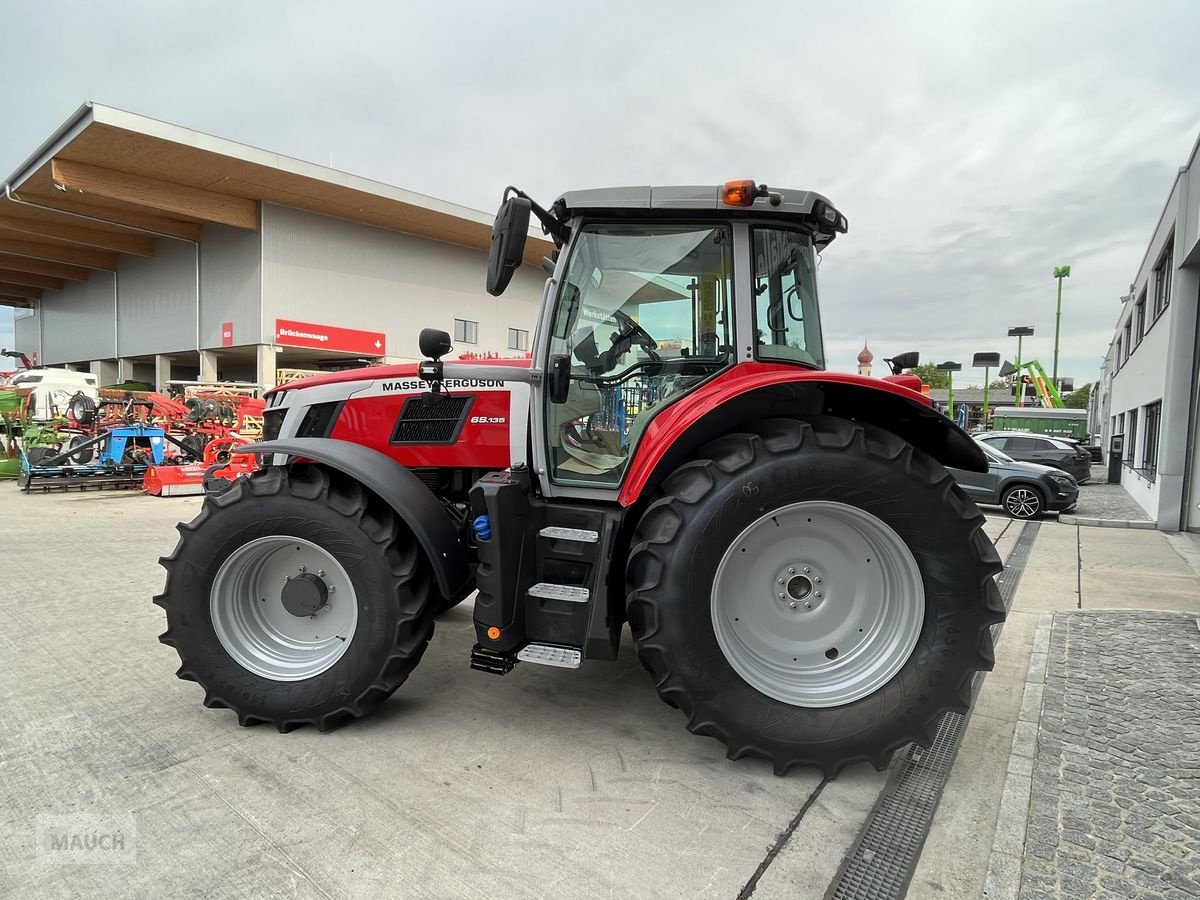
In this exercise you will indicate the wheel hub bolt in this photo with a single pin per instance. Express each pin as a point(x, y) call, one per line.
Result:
point(791, 570)
point(817, 579)
point(806, 570)
point(808, 605)
point(781, 596)
point(303, 569)
point(793, 604)
point(321, 574)
point(819, 595)
point(779, 581)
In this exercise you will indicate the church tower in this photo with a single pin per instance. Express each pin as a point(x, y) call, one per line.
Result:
point(864, 360)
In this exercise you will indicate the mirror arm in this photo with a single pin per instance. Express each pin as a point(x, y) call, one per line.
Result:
point(552, 226)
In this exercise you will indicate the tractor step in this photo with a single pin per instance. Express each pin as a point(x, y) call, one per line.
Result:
point(582, 535)
point(550, 655)
point(567, 592)
point(485, 659)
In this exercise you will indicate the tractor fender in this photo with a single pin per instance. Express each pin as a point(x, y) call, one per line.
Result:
point(753, 391)
point(400, 489)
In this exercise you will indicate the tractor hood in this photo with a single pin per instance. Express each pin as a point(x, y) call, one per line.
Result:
point(375, 373)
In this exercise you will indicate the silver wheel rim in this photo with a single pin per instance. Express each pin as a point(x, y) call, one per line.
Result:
point(258, 631)
point(1023, 503)
point(817, 604)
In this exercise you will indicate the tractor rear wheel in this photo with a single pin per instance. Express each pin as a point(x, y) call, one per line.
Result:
point(296, 597)
point(813, 593)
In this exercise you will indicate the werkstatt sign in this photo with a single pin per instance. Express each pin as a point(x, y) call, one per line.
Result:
point(327, 337)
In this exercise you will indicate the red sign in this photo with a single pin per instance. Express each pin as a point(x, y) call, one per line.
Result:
point(327, 337)
point(226, 334)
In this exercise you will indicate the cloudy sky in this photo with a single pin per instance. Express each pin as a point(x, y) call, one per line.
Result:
point(974, 146)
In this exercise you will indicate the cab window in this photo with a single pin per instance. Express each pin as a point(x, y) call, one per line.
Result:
point(786, 321)
point(644, 315)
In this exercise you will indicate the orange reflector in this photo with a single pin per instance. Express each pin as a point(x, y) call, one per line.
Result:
point(493, 633)
point(738, 193)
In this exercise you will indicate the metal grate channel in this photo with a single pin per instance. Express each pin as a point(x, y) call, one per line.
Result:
point(885, 854)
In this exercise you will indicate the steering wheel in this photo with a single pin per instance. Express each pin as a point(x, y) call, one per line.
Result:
point(634, 333)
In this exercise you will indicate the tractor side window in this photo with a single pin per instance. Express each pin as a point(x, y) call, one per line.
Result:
point(786, 321)
point(644, 315)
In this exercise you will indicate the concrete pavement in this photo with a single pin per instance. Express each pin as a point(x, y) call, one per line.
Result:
point(543, 783)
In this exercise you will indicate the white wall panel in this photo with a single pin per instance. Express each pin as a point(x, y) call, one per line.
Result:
point(332, 272)
point(230, 282)
point(156, 300)
point(78, 321)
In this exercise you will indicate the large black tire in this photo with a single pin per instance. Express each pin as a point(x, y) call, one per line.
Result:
point(396, 596)
point(84, 456)
point(704, 507)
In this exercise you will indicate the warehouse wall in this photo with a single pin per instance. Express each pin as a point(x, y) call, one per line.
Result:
point(78, 321)
point(156, 300)
point(27, 331)
point(332, 272)
point(230, 284)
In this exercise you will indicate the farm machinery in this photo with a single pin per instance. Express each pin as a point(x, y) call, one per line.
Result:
point(113, 442)
point(801, 575)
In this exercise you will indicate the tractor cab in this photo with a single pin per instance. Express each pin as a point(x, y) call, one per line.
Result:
point(654, 291)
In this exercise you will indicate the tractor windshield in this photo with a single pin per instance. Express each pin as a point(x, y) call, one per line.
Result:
point(644, 312)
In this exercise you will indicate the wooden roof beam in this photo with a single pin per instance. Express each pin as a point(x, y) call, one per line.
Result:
point(42, 267)
point(9, 276)
point(15, 301)
point(163, 196)
point(60, 253)
point(19, 290)
point(75, 234)
point(159, 225)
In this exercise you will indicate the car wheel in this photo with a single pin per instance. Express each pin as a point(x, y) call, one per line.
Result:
point(1021, 501)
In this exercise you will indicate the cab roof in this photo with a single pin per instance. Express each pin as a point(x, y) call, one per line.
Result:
point(816, 209)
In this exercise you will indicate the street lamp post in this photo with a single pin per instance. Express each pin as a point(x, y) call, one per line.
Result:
point(985, 361)
point(1060, 272)
point(950, 368)
point(1021, 332)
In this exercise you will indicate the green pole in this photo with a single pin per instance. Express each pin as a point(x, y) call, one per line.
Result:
point(1057, 323)
point(1017, 376)
point(986, 381)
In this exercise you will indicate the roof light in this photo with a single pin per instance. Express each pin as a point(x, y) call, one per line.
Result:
point(739, 193)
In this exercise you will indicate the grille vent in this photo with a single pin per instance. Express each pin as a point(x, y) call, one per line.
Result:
point(431, 420)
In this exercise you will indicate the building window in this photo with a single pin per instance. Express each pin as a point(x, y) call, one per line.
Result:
point(1118, 357)
point(1128, 339)
point(1162, 277)
point(1131, 438)
point(466, 331)
point(518, 339)
point(1140, 315)
point(1150, 451)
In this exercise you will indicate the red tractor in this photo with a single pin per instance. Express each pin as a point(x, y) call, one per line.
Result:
point(801, 575)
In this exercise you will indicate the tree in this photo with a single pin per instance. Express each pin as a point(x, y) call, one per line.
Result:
point(1078, 398)
point(928, 373)
point(999, 384)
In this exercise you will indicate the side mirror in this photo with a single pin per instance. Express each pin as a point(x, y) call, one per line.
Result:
point(434, 343)
point(902, 361)
point(508, 243)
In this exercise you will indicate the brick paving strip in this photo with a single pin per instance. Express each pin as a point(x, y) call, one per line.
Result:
point(1113, 784)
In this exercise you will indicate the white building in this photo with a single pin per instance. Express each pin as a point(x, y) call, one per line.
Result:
point(1150, 380)
point(143, 251)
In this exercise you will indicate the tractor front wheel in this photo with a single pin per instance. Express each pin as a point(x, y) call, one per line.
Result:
point(813, 593)
point(296, 597)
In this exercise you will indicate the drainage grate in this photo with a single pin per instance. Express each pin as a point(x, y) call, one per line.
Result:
point(882, 861)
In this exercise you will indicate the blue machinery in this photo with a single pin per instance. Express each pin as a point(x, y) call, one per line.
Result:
point(125, 452)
